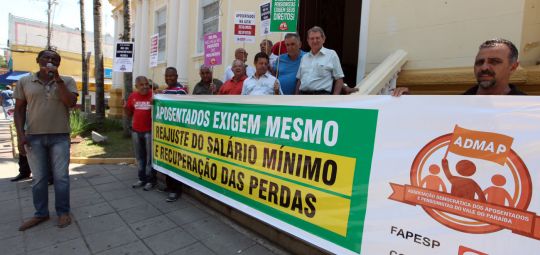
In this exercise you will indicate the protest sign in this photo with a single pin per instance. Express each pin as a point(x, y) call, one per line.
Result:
point(213, 49)
point(244, 27)
point(284, 16)
point(123, 57)
point(154, 50)
point(265, 19)
point(353, 176)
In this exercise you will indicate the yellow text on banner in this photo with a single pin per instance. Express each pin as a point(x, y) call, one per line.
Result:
point(321, 170)
point(325, 210)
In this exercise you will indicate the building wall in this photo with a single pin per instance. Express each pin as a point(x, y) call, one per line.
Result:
point(24, 59)
point(194, 57)
point(530, 47)
point(445, 34)
point(28, 37)
point(23, 31)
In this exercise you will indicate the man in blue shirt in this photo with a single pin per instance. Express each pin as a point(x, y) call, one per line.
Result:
point(288, 65)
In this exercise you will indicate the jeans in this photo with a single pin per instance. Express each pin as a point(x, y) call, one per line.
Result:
point(142, 146)
point(46, 151)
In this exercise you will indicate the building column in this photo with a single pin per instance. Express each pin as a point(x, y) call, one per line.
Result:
point(144, 40)
point(138, 40)
point(182, 44)
point(363, 42)
point(172, 31)
point(115, 100)
point(117, 78)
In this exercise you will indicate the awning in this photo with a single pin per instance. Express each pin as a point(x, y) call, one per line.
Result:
point(11, 77)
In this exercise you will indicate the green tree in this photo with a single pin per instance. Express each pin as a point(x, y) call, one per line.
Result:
point(98, 55)
point(3, 63)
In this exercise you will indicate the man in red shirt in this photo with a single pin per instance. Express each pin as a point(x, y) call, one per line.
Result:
point(139, 107)
point(234, 85)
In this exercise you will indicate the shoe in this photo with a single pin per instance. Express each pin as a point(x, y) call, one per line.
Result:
point(63, 221)
point(173, 196)
point(149, 186)
point(34, 221)
point(20, 177)
point(138, 184)
point(50, 182)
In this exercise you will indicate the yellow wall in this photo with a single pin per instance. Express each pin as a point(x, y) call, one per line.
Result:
point(530, 47)
point(443, 34)
point(70, 65)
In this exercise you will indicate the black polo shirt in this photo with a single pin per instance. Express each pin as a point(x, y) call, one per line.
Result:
point(514, 91)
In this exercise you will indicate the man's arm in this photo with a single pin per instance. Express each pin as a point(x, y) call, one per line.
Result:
point(20, 120)
point(67, 97)
point(338, 86)
point(297, 89)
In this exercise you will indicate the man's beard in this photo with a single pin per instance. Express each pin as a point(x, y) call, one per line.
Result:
point(487, 84)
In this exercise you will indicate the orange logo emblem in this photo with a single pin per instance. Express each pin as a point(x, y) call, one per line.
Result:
point(473, 182)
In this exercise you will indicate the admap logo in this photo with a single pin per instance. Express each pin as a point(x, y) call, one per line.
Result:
point(472, 181)
point(468, 251)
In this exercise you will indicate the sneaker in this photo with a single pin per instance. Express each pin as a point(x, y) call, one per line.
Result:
point(149, 186)
point(138, 184)
point(173, 196)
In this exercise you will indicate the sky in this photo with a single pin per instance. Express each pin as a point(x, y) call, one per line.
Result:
point(66, 12)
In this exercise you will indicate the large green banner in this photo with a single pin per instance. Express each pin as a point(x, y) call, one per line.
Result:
point(284, 16)
point(302, 169)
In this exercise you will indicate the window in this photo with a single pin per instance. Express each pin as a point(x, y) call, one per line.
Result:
point(209, 17)
point(161, 29)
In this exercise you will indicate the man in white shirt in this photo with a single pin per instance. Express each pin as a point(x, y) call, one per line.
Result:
point(262, 82)
point(320, 69)
point(239, 54)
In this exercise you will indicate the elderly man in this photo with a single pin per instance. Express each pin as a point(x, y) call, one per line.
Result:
point(320, 72)
point(266, 47)
point(289, 63)
point(208, 85)
point(239, 54)
point(495, 62)
point(236, 83)
point(42, 103)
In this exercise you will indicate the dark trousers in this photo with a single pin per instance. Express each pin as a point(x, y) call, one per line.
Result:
point(173, 185)
point(24, 168)
point(315, 92)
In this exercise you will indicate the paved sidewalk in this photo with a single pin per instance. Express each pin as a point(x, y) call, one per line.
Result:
point(6, 148)
point(109, 217)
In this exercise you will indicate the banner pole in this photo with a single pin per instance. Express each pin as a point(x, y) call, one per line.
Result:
point(279, 53)
point(448, 148)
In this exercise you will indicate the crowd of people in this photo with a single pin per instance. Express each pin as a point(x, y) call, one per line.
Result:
point(43, 101)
